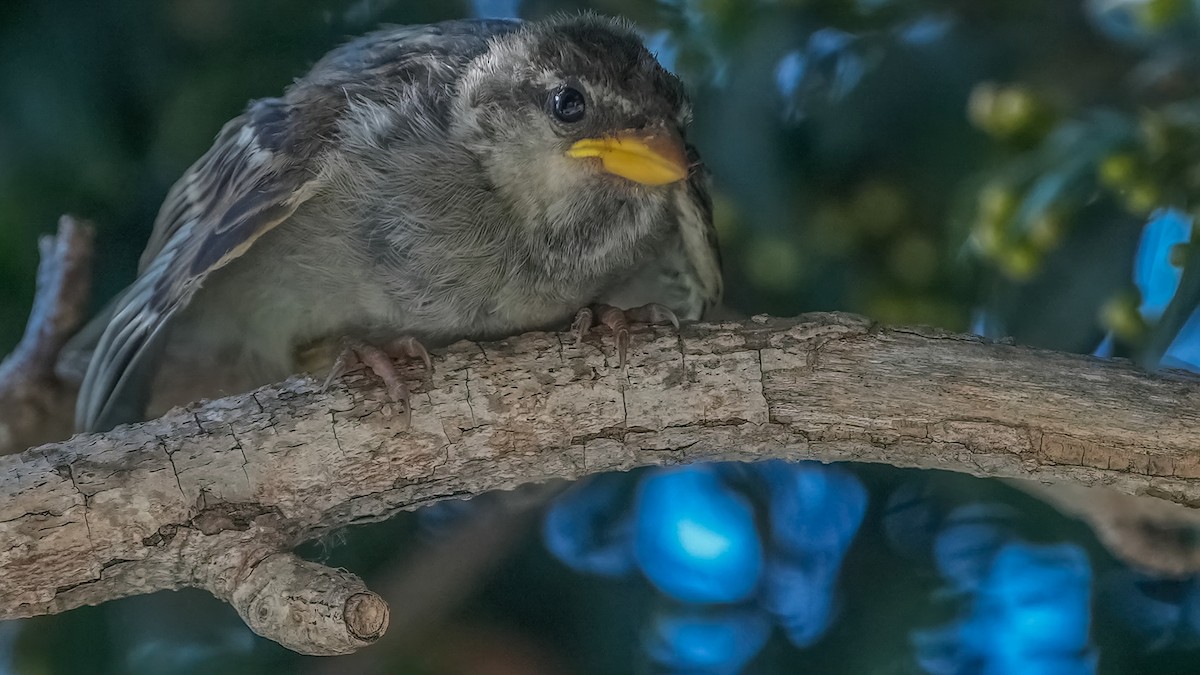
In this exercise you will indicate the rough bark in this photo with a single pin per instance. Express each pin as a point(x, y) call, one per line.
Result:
point(215, 495)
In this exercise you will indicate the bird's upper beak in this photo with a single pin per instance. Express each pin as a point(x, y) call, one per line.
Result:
point(649, 157)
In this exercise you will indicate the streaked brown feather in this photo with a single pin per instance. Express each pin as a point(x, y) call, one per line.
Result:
point(256, 174)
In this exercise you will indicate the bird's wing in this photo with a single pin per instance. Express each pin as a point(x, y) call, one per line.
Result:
point(263, 165)
point(686, 274)
point(699, 234)
point(259, 170)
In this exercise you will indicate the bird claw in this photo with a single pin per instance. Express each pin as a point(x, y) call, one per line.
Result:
point(618, 321)
point(653, 314)
point(381, 361)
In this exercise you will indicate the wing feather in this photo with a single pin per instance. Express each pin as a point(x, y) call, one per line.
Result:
point(699, 233)
point(253, 178)
point(261, 167)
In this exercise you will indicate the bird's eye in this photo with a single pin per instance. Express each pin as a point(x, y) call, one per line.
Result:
point(568, 105)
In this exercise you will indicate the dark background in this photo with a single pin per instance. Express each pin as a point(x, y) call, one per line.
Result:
point(983, 164)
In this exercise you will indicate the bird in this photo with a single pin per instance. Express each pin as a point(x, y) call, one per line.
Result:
point(423, 184)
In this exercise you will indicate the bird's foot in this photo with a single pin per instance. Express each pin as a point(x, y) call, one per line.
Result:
point(381, 359)
point(618, 321)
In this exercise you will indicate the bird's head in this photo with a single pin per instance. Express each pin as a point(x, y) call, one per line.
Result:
point(577, 123)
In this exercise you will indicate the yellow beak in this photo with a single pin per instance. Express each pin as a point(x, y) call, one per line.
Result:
point(656, 158)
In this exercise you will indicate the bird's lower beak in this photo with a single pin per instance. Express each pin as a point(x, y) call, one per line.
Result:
point(649, 158)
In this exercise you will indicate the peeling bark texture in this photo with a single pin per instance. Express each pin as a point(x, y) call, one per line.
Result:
point(313, 597)
point(216, 494)
point(38, 406)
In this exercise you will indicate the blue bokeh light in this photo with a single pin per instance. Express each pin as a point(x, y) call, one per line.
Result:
point(926, 30)
point(801, 596)
point(662, 44)
point(1030, 613)
point(1153, 274)
point(695, 539)
point(1027, 607)
point(1157, 281)
point(967, 543)
point(696, 639)
point(789, 72)
point(813, 513)
point(1134, 22)
point(830, 65)
point(496, 9)
point(1033, 605)
point(733, 550)
point(590, 529)
point(812, 508)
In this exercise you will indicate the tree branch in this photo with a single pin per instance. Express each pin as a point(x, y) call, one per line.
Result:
point(215, 495)
point(37, 405)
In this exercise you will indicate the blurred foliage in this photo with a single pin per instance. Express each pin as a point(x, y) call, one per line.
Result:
point(955, 162)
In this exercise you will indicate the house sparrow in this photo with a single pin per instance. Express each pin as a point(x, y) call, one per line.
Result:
point(421, 185)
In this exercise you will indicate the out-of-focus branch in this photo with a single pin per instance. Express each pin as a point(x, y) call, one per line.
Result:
point(35, 404)
point(431, 584)
point(1154, 535)
point(208, 495)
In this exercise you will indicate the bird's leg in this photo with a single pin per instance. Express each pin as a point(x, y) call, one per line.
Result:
point(381, 361)
point(618, 321)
